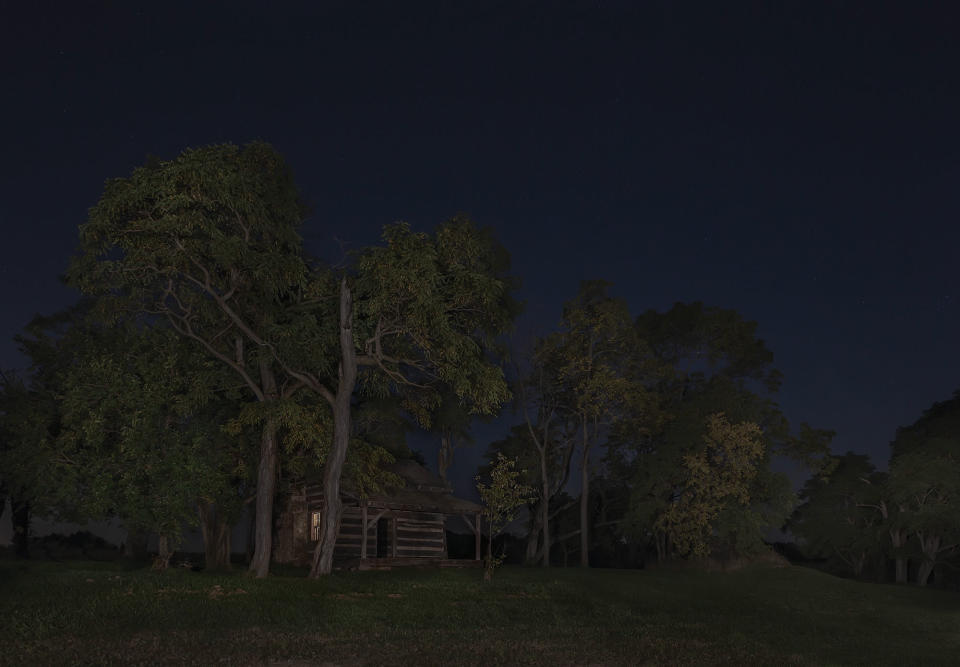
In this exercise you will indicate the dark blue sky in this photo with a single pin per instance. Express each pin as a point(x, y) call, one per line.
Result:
point(799, 165)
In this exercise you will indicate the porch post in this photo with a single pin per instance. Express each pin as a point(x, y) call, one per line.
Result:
point(393, 536)
point(363, 533)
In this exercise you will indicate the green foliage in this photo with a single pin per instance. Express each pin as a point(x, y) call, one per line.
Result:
point(207, 241)
point(711, 362)
point(693, 338)
point(593, 352)
point(924, 482)
point(427, 309)
point(213, 220)
point(143, 428)
point(836, 519)
point(29, 421)
point(715, 476)
point(501, 498)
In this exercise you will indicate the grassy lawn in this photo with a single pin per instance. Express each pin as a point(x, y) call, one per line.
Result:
point(99, 613)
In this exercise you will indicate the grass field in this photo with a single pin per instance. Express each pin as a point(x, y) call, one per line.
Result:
point(100, 613)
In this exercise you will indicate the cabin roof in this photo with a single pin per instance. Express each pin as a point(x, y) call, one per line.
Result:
point(424, 491)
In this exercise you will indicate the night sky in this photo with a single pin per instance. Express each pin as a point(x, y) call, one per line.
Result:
point(798, 165)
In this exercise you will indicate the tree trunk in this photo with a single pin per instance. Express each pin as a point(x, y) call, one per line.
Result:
point(135, 546)
point(445, 454)
point(545, 505)
point(20, 517)
point(661, 543)
point(216, 537)
point(896, 539)
point(333, 468)
point(533, 539)
point(251, 535)
point(164, 553)
point(585, 500)
point(266, 478)
point(929, 545)
point(858, 562)
point(488, 566)
point(923, 572)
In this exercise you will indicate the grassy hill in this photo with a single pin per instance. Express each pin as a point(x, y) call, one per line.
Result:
point(100, 613)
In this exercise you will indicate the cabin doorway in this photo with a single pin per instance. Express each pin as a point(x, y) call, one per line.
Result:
point(383, 537)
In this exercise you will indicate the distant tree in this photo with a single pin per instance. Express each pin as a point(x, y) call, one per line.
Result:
point(596, 348)
point(893, 517)
point(836, 519)
point(924, 483)
point(712, 362)
point(27, 417)
point(719, 473)
point(450, 421)
point(31, 462)
point(137, 428)
point(547, 437)
point(501, 497)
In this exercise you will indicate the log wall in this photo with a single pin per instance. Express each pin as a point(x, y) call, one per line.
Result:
point(417, 534)
point(420, 534)
point(349, 537)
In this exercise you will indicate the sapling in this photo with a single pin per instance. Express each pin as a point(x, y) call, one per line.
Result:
point(500, 498)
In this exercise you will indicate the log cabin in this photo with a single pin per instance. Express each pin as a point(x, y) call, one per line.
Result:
point(405, 526)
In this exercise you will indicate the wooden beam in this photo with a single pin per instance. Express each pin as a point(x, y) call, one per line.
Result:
point(363, 535)
point(476, 533)
point(375, 519)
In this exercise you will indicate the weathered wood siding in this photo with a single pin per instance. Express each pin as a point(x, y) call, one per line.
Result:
point(418, 534)
point(349, 538)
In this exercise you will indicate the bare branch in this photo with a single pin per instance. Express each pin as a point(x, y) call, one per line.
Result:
point(183, 327)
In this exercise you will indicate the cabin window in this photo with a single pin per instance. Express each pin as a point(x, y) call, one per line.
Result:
point(316, 520)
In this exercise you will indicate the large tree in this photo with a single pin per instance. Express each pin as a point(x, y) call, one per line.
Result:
point(143, 422)
point(125, 422)
point(712, 362)
point(602, 371)
point(208, 241)
point(418, 315)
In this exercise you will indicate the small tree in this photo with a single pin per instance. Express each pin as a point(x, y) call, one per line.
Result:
point(501, 499)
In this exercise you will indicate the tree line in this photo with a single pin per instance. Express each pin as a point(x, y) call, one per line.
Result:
point(862, 521)
point(211, 358)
